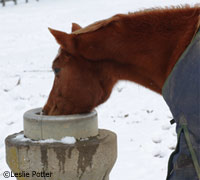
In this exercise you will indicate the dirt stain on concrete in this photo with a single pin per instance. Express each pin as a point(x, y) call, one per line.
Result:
point(60, 154)
point(44, 156)
point(86, 152)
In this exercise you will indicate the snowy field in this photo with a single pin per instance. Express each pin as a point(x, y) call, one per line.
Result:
point(138, 116)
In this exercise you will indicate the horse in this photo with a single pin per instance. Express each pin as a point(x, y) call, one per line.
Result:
point(142, 47)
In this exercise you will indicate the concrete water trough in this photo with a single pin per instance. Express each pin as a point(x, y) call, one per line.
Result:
point(39, 151)
point(37, 126)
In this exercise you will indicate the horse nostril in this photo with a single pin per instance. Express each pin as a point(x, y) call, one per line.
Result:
point(43, 112)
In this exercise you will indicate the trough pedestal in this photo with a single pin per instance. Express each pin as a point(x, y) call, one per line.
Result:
point(91, 158)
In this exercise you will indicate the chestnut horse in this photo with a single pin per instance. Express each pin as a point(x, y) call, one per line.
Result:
point(142, 47)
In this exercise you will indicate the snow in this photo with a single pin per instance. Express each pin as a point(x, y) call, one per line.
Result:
point(138, 116)
point(20, 137)
point(68, 140)
point(64, 140)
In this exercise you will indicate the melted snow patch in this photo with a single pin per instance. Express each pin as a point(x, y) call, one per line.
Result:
point(20, 137)
point(64, 140)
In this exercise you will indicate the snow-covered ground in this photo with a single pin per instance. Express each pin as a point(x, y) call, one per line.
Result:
point(138, 116)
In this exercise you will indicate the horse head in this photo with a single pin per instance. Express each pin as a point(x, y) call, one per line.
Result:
point(79, 85)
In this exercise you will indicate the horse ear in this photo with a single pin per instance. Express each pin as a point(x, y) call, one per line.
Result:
point(65, 40)
point(75, 27)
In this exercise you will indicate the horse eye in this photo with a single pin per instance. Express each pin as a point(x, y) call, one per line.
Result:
point(56, 70)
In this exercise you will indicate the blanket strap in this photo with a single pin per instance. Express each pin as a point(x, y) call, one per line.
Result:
point(192, 152)
point(184, 129)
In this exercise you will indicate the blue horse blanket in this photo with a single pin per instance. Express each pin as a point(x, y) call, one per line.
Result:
point(181, 92)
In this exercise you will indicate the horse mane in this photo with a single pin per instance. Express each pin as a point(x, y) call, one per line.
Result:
point(145, 13)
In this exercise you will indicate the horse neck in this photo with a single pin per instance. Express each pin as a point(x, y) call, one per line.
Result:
point(110, 72)
point(150, 53)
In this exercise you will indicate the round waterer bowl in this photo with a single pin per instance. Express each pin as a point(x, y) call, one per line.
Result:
point(40, 127)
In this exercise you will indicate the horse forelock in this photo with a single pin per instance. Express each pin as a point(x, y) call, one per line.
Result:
point(58, 54)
